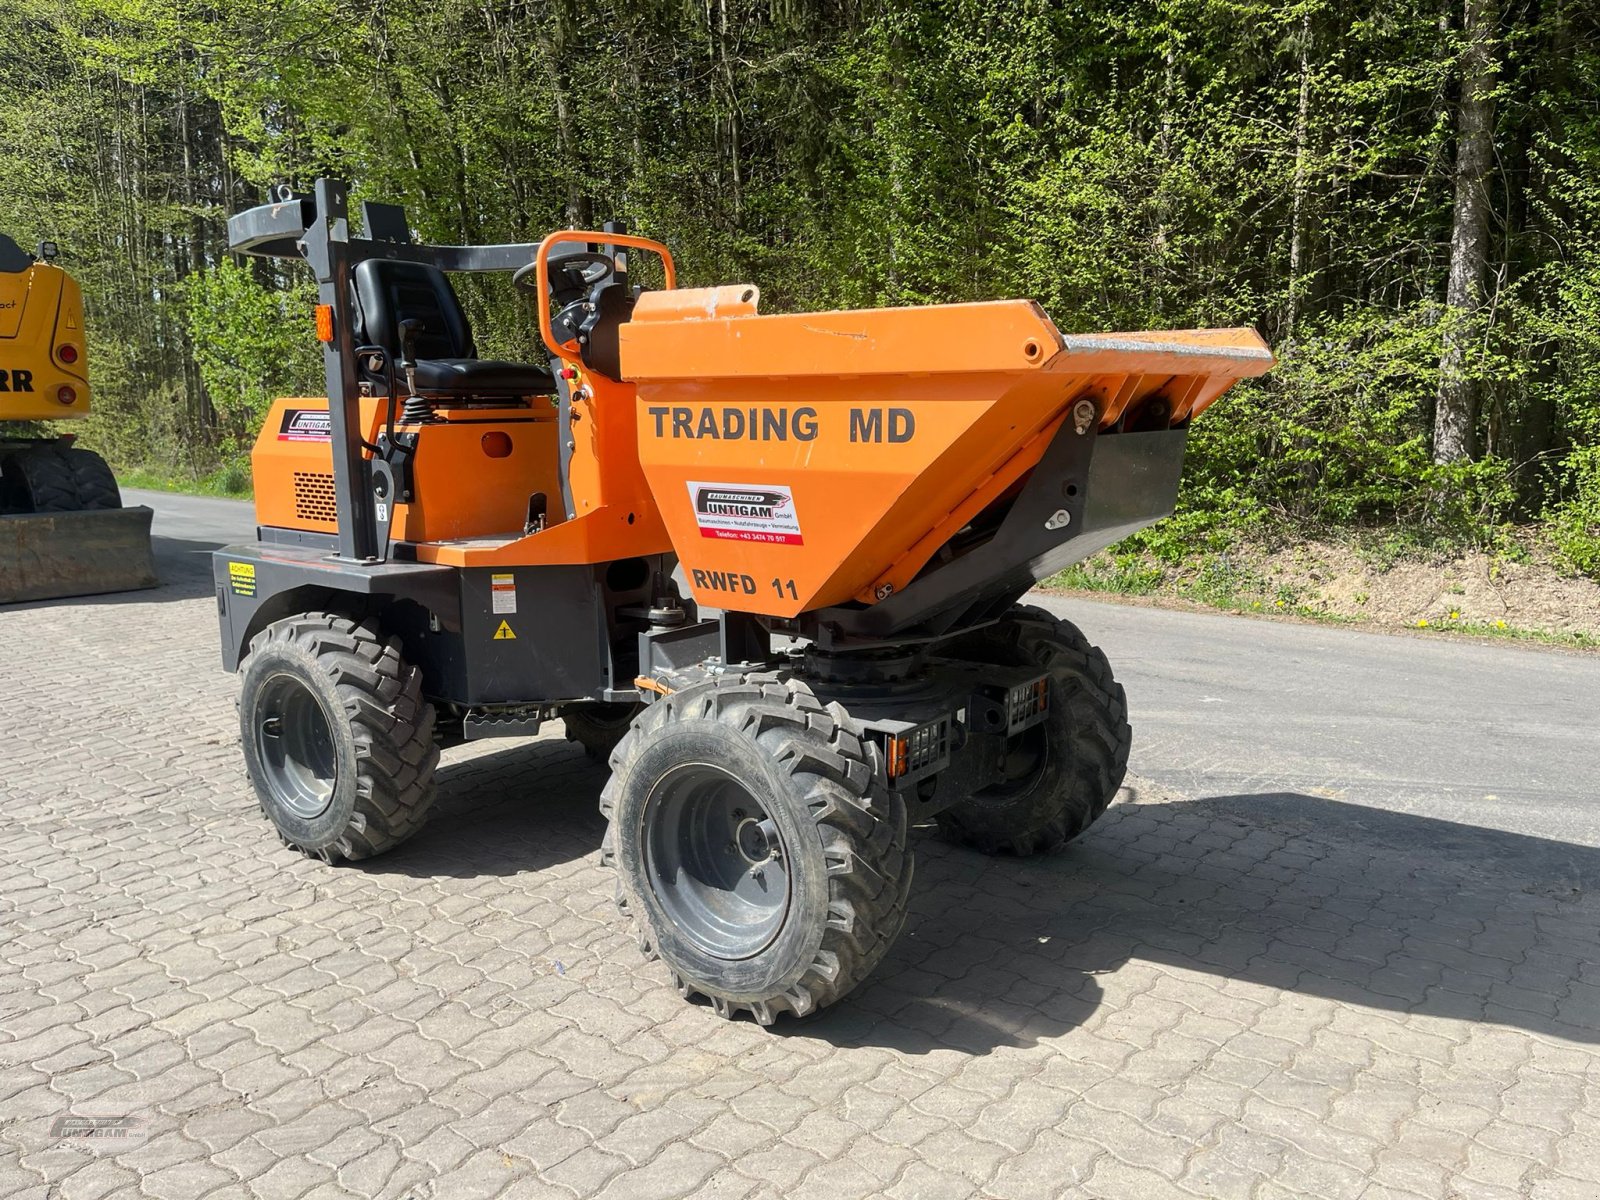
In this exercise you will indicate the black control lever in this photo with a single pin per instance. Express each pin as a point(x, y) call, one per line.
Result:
point(417, 410)
point(409, 328)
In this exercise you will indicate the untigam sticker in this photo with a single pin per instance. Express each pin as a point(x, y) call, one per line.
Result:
point(746, 512)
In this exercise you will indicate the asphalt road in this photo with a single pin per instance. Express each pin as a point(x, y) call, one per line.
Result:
point(1262, 713)
point(1494, 736)
point(187, 529)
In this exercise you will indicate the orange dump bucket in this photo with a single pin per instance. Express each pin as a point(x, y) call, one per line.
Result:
point(820, 459)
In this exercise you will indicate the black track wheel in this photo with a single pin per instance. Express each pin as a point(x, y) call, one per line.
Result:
point(97, 486)
point(599, 727)
point(754, 853)
point(1069, 767)
point(40, 479)
point(338, 740)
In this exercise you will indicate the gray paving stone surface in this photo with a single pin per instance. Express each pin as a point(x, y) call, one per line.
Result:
point(1251, 996)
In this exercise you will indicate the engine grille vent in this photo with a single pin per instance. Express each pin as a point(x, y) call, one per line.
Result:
point(313, 497)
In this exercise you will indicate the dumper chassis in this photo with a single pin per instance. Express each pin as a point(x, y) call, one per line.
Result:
point(767, 567)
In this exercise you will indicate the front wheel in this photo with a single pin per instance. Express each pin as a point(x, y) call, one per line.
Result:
point(338, 740)
point(1058, 776)
point(754, 853)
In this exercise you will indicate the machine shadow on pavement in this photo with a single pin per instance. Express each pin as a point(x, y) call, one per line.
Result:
point(184, 566)
point(485, 823)
point(1393, 912)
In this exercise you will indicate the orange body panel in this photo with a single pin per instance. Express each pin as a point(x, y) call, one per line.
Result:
point(614, 513)
point(466, 487)
point(877, 434)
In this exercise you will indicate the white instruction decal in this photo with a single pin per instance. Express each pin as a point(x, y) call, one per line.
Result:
point(746, 512)
point(503, 593)
point(305, 425)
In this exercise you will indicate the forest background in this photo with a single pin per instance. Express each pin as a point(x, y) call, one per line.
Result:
point(1403, 197)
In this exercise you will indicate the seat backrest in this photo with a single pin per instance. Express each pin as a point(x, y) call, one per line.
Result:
point(613, 307)
point(13, 258)
point(390, 292)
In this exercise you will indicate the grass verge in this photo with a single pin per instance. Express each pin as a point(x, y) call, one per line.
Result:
point(231, 482)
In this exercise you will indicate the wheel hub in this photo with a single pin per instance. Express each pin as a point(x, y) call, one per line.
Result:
point(294, 741)
point(757, 840)
point(714, 861)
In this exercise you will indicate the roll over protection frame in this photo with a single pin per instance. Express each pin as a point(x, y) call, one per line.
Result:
point(316, 228)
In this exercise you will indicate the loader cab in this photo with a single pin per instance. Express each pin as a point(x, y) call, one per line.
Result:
point(14, 260)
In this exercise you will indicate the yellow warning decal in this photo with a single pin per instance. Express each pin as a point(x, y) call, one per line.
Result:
point(242, 578)
point(504, 634)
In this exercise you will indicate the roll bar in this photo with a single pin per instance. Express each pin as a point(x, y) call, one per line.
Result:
point(316, 228)
point(278, 229)
point(565, 238)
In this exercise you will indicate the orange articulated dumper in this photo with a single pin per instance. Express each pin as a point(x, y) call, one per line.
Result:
point(769, 566)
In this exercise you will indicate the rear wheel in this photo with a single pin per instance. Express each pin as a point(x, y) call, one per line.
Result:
point(338, 740)
point(753, 852)
point(40, 480)
point(1058, 776)
point(97, 486)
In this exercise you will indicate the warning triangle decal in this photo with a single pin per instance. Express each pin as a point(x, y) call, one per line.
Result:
point(504, 634)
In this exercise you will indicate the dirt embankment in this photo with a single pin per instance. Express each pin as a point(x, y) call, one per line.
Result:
point(1479, 589)
point(1470, 591)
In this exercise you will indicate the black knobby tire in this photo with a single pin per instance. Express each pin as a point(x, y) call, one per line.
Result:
point(97, 486)
point(338, 740)
point(1081, 748)
point(599, 727)
point(841, 842)
point(40, 479)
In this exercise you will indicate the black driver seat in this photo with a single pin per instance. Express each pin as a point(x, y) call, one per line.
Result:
point(389, 292)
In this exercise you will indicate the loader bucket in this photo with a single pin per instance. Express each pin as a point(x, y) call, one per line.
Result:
point(830, 459)
point(47, 555)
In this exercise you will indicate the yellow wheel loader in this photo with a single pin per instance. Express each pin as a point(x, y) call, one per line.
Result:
point(63, 529)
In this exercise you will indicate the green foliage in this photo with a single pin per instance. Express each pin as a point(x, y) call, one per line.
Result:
point(1337, 437)
point(1128, 163)
point(1573, 334)
point(251, 344)
point(1575, 521)
point(231, 480)
point(1124, 573)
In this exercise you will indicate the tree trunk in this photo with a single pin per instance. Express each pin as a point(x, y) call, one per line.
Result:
point(1156, 274)
point(1456, 414)
point(1297, 217)
point(730, 102)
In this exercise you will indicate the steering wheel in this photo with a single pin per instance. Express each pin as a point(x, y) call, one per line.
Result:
point(571, 274)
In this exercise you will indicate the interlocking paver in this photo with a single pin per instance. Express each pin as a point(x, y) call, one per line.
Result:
point(1193, 1001)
